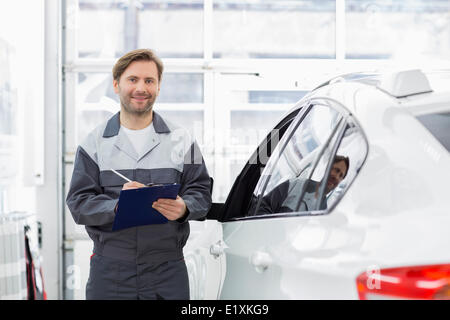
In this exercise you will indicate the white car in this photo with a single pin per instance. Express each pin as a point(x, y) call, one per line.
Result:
point(298, 226)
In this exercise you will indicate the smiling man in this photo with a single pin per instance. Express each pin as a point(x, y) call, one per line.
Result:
point(137, 86)
point(144, 262)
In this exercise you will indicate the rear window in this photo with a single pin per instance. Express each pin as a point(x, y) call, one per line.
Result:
point(439, 125)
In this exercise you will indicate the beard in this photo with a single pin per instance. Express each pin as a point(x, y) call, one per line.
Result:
point(126, 104)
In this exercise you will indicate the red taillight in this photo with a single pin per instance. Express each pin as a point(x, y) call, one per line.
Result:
point(419, 282)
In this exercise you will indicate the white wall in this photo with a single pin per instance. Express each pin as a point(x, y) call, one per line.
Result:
point(48, 196)
point(23, 31)
point(30, 28)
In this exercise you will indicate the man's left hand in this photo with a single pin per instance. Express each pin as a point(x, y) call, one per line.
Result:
point(171, 209)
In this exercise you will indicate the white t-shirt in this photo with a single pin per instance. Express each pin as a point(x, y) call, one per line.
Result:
point(139, 137)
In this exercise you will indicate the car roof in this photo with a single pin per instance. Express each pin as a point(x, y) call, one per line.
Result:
point(415, 91)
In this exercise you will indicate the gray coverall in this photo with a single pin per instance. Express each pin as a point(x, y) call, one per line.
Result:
point(144, 262)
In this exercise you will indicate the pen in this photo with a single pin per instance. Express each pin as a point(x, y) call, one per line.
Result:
point(122, 176)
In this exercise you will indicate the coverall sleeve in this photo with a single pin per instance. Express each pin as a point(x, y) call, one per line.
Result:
point(85, 199)
point(195, 185)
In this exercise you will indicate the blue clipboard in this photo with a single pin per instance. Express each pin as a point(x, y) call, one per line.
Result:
point(135, 206)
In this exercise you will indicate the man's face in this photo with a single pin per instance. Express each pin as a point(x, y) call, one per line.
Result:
point(138, 87)
point(337, 174)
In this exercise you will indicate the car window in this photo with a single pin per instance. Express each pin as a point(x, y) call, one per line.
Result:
point(341, 171)
point(325, 178)
point(296, 159)
point(240, 196)
point(438, 124)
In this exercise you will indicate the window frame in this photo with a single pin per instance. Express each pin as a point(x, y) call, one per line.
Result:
point(350, 119)
point(224, 212)
point(339, 130)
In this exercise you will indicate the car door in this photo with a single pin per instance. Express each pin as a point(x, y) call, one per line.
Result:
point(205, 269)
point(265, 247)
point(204, 250)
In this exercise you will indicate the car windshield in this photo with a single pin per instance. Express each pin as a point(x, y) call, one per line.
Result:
point(438, 124)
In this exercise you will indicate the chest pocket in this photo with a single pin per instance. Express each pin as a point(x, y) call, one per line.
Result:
point(112, 184)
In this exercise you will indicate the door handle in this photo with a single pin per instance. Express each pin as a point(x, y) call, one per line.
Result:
point(260, 260)
point(217, 249)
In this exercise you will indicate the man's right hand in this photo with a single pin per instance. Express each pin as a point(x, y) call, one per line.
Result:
point(130, 185)
point(133, 185)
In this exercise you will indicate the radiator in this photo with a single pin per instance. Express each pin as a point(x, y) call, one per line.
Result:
point(13, 273)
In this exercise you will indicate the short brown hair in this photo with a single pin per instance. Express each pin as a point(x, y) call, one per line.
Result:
point(136, 55)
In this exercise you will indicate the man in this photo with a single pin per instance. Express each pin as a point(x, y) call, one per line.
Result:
point(144, 262)
point(285, 197)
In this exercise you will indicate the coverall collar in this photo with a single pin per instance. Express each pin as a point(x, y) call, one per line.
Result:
point(113, 125)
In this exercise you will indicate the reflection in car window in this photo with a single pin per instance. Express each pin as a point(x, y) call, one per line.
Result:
point(438, 124)
point(303, 192)
point(296, 161)
point(309, 194)
point(354, 148)
point(314, 192)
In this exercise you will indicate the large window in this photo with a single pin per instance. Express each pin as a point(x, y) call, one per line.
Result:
point(397, 29)
point(109, 28)
point(233, 68)
point(274, 29)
